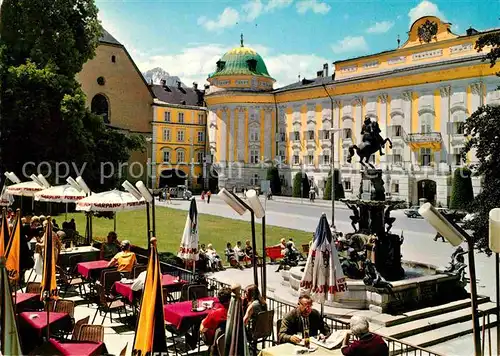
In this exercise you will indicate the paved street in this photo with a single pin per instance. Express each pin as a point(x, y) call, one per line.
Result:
point(418, 245)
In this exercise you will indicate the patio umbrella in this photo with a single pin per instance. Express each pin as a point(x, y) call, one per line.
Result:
point(150, 336)
point(235, 339)
point(113, 200)
point(323, 276)
point(10, 344)
point(26, 189)
point(60, 194)
point(49, 284)
point(13, 252)
point(188, 250)
point(6, 199)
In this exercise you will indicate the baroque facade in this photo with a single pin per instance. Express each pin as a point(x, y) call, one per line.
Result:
point(420, 94)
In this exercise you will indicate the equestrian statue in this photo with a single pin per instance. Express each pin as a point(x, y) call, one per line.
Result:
point(372, 142)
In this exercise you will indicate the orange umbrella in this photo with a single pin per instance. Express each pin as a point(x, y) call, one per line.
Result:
point(150, 336)
point(13, 253)
point(4, 233)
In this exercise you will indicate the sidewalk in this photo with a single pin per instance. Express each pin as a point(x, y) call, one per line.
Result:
point(305, 201)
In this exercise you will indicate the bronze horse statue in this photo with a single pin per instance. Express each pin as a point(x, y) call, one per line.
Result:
point(372, 142)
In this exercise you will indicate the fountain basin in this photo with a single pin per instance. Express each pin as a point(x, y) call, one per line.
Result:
point(423, 286)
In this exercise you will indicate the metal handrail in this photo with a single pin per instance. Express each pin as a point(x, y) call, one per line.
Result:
point(281, 308)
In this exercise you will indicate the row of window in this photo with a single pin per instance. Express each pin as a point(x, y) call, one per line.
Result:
point(180, 117)
point(167, 136)
point(181, 156)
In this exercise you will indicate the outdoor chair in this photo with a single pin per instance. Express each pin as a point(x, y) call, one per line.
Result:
point(69, 280)
point(78, 326)
point(221, 345)
point(197, 291)
point(110, 277)
point(108, 304)
point(263, 329)
point(305, 249)
point(92, 333)
point(278, 327)
point(138, 270)
point(65, 306)
point(34, 287)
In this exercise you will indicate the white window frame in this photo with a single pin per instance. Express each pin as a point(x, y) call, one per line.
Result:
point(425, 152)
point(166, 154)
point(180, 136)
point(167, 116)
point(254, 134)
point(200, 155)
point(254, 156)
point(201, 136)
point(180, 117)
point(426, 123)
point(180, 153)
point(201, 119)
point(166, 135)
point(346, 182)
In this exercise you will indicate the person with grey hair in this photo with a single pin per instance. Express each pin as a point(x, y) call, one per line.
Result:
point(124, 260)
point(366, 343)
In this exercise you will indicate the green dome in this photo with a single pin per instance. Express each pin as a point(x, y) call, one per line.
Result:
point(241, 61)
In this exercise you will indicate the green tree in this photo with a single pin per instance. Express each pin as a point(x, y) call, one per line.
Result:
point(483, 131)
point(44, 118)
point(300, 181)
point(273, 176)
point(462, 193)
point(339, 189)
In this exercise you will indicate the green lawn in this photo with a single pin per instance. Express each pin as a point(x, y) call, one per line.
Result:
point(131, 225)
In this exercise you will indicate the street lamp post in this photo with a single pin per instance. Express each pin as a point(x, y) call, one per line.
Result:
point(332, 170)
point(494, 238)
point(455, 236)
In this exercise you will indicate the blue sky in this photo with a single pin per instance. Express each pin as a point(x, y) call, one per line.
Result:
point(293, 36)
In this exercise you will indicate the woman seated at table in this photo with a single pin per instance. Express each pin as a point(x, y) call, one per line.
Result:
point(256, 304)
point(214, 259)
point(111, 247)
point(367, 344)
point(231, 256)
point(216, 318)
point(124, 260)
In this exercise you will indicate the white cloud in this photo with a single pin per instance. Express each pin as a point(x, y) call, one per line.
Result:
point(425, 8)
point(253, 9)
point(350, 44)
point(194, 63)
point(380, 27)
point(277, 4)
point(228, 18)
point(317, 7)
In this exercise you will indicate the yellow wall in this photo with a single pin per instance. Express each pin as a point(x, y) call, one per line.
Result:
point(437, 110)
point(190, 144)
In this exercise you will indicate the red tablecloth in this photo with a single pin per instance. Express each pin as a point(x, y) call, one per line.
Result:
point(79, 348)
point(40, 323)
point(26, 297)
point(167, 280)
point(182, 317)
point(86, 269)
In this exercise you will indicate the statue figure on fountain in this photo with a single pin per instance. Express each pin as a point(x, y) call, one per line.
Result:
point(388, 219)
point(354, 218)
point(371, 142)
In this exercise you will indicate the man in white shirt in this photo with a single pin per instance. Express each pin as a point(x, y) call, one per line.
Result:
point(139, 282)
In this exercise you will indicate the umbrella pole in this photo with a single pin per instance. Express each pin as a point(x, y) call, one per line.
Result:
point(149, 227)
point(47, 306)
point(254, 256)
point(114, 221)
point(66, 215)
point(264, 271)
point(153, 217)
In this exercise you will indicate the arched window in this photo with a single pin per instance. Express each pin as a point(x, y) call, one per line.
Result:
point(181, 156)
point(100, 106)
point(167, 156)
point(426, 123)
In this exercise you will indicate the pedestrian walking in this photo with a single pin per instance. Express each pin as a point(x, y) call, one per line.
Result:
point(209, 194)
point(203, 196)
point(169, 201)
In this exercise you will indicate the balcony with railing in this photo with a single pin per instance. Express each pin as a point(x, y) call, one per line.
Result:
point(425, 140)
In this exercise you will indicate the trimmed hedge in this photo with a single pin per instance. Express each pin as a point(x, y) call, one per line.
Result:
point(462, 193)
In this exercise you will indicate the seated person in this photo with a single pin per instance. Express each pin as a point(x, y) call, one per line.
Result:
point(249, 249)
point(231, 256)
point(282, 244)
point(216, 317)
point(124, 260)
point(367, 344)
point(214, 260)
point(255, 304)
point(111, 247)
point(291, 258)
point(139, 281)
point(303, 317)
point(240, 252)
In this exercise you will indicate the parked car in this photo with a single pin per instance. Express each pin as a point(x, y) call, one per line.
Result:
point(412, 212)
point(180, 192)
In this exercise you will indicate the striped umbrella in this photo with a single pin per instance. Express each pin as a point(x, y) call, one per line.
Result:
point(10, 344)
point(150, 336)
point(235, 339)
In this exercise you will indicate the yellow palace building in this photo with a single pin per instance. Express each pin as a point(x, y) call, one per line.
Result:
point(420, 93)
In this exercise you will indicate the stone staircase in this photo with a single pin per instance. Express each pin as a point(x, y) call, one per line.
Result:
point(423, 327)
